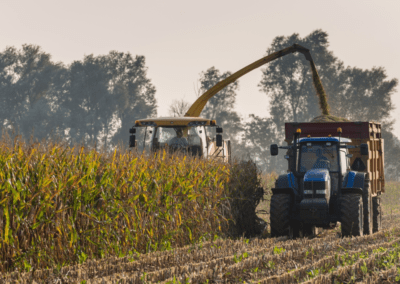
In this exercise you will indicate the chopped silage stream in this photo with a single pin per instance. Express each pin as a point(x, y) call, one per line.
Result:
point(258, 260)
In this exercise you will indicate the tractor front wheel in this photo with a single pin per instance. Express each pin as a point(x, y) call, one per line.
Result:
point(351, 208)
point(280, 215)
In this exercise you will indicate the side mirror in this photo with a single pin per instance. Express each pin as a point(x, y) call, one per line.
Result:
point(274, 150)
point(132, 130)
point(219, 130)
point(132, 141)
point(219, 140)
point(364, 149)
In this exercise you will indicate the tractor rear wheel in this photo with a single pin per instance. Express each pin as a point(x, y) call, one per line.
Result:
point(280, 215)
point(377, 215)
point(367, 202)
point(351, 208)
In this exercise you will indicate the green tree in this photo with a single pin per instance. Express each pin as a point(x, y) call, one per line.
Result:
point(288, 82)
point(221, 107)
point(362, 94)
point(86, 97)
point(134, 93)
point(94, 100)
point(105, 95)
point(260, 133)
point(26, 84)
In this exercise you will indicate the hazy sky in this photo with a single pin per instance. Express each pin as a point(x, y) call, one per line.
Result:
point(182, 38)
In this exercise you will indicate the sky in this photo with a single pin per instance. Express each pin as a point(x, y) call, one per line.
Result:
point(182, 38)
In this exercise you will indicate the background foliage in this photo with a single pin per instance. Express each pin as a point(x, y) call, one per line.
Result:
point(90, 101)
point(96, 99)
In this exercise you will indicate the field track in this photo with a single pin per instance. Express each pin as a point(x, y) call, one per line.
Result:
point(326, 258)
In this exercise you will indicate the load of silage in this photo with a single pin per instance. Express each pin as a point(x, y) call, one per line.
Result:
point(329, 118)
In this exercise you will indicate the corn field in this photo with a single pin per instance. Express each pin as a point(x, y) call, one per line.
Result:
point(61, 205)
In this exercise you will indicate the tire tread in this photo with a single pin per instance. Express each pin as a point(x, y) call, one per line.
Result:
point(350, 213)
point(279, 215)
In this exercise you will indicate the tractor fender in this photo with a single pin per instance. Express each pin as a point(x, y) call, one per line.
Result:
point(286, 184)
point(353, 182)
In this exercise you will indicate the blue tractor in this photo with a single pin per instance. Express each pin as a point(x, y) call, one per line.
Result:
point(321, 188)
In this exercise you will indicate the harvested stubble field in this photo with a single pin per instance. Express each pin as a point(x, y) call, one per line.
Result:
point(328, 259)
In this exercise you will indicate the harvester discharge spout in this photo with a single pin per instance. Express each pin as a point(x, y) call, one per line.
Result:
point(199, 104)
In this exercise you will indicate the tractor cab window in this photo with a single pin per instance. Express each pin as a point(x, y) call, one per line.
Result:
point(164, 134)
point(318, 156)
point(190, 139)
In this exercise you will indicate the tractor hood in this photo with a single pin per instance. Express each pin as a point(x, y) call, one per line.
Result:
point(317, 184)
point(317, 175)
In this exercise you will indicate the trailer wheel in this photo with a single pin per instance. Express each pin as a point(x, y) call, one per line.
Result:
point(367, 202)
point(280, 215)
point(351, 208)
point(377, 215)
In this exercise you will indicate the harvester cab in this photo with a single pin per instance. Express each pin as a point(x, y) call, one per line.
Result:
point(187, 135)
point(329, 180)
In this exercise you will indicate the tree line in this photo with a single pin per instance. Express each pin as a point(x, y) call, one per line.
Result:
point(97, 99)
point(94, 100)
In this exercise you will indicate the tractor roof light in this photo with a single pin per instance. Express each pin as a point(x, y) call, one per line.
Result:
point(339, 130)
point(308, 135)
point(329, 135)
point(213, 122)
point(298, 130)
point(136, 122)
point(196, 123)
point(148, 123)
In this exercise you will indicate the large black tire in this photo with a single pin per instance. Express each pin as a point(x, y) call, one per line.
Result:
point(367, 202)
point(280, 215)
point(351, 208)
point(377, 215)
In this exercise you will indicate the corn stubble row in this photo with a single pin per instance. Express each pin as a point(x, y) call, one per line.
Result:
point(271, 260)
point(61, 205)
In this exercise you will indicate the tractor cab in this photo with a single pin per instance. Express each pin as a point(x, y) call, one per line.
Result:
point(323, 153)
point(188, 135)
